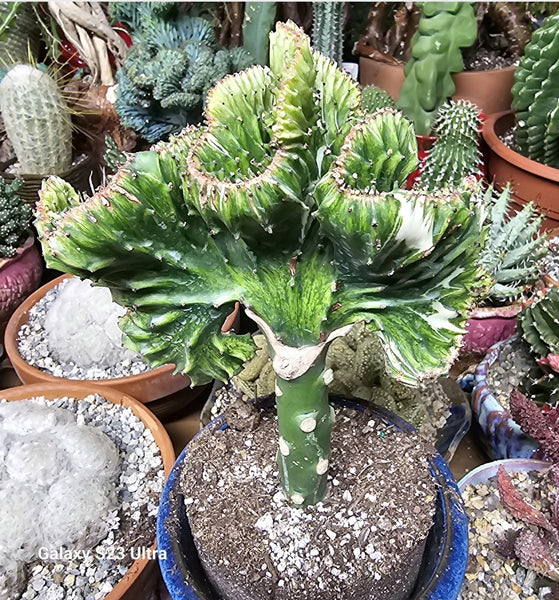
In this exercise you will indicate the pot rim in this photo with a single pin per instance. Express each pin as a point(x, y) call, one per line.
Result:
point(79, 391)
point(483, 472)
point(521, 162)
point(21, 315)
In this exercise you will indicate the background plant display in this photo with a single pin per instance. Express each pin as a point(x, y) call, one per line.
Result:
point(291, 201)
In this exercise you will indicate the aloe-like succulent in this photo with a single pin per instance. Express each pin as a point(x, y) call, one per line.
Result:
point(514, 247)
point(290, 200)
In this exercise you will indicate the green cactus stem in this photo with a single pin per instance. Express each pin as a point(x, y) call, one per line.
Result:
point(258, 22)
point(444, 28)
point(376, 99)
point(455, 154)
point(536, 95)
point(539, 324)
point(292, 201)
point(327, 29)
point(37, 121)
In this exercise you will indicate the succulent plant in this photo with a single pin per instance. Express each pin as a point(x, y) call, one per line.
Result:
point(15, 218)
point(514, 247)
point(258, 22)
point(539, 324)
point(327, 29)
point(19, 39)
point(37, 120)
point(375, 99)
point(455, 154)
point(444, 28)
point(169, 70)
point(290, 200)
point(536, 95)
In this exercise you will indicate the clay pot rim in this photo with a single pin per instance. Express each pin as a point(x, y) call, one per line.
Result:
point(30, 240)
point(505, 311)
point(21, 315)
point(160, 435)
point(401, 65)
point(526, 164)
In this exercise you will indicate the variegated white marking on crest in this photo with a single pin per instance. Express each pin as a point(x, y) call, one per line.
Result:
point(416, 229)
point(441, 318)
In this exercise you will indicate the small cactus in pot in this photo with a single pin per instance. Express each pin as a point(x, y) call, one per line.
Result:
point(292, 201)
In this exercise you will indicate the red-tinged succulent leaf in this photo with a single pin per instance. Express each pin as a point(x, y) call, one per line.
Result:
point(535, 553)
point(555, 507)
point(551, 361)
point(539, 425)
point(516, 505)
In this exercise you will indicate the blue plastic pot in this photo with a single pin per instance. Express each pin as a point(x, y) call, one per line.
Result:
point(442, 569)
point(500, 435)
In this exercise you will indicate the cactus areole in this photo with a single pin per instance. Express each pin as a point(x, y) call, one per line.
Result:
point(290, 200)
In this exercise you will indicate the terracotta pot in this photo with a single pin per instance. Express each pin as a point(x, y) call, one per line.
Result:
point(530, 180)
point(488, 325)
point(490, 91)
point(145, 387)
point(140, 576)
point(19, 276)
point(82, 176)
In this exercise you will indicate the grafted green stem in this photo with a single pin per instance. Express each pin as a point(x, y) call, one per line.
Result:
point(305, 423)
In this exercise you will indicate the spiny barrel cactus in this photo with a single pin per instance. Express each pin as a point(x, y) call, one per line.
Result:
point(37, 120)
point(327, 29)
point(444, 28)
point(167, 74)
point(288, 199)
point(514, 247)
point(536, 95)
point(374, 99)
point(455, 154)
point(15, 218)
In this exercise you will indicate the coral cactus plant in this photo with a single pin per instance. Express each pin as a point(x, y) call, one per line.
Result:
point(536, 95)
point(514, 247)
point(15, 218)
point(290, 200)
point(37, 121)
point(169, 70)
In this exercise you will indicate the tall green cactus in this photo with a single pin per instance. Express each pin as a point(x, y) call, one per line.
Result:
point(289, 199)
point(37, 121)
point(19, 34)
point(514, 246)
point(327, 29)
point(536, 95)
point(444, 28)
point(455, 154)
point(258, 22)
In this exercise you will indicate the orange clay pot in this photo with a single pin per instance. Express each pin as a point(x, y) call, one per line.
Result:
point(141, 575)
point(145, 387)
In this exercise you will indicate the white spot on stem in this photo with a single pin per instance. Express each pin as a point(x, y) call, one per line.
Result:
point(283, 447)
point(297, 499)
point(322, 466)
point(278, 391)
point(307, 425)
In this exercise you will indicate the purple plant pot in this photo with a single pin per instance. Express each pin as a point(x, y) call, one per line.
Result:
point(19, 276)
point(499, 433)
point(487, 326)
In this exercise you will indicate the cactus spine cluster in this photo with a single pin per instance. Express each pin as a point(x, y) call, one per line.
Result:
point(536, 95)
point(291, 200)
point(258, 22)
point(444, 28)
point(15, 216)
point(327, 29)
point(514, 247)
point(37, 120)
point(455, 154)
